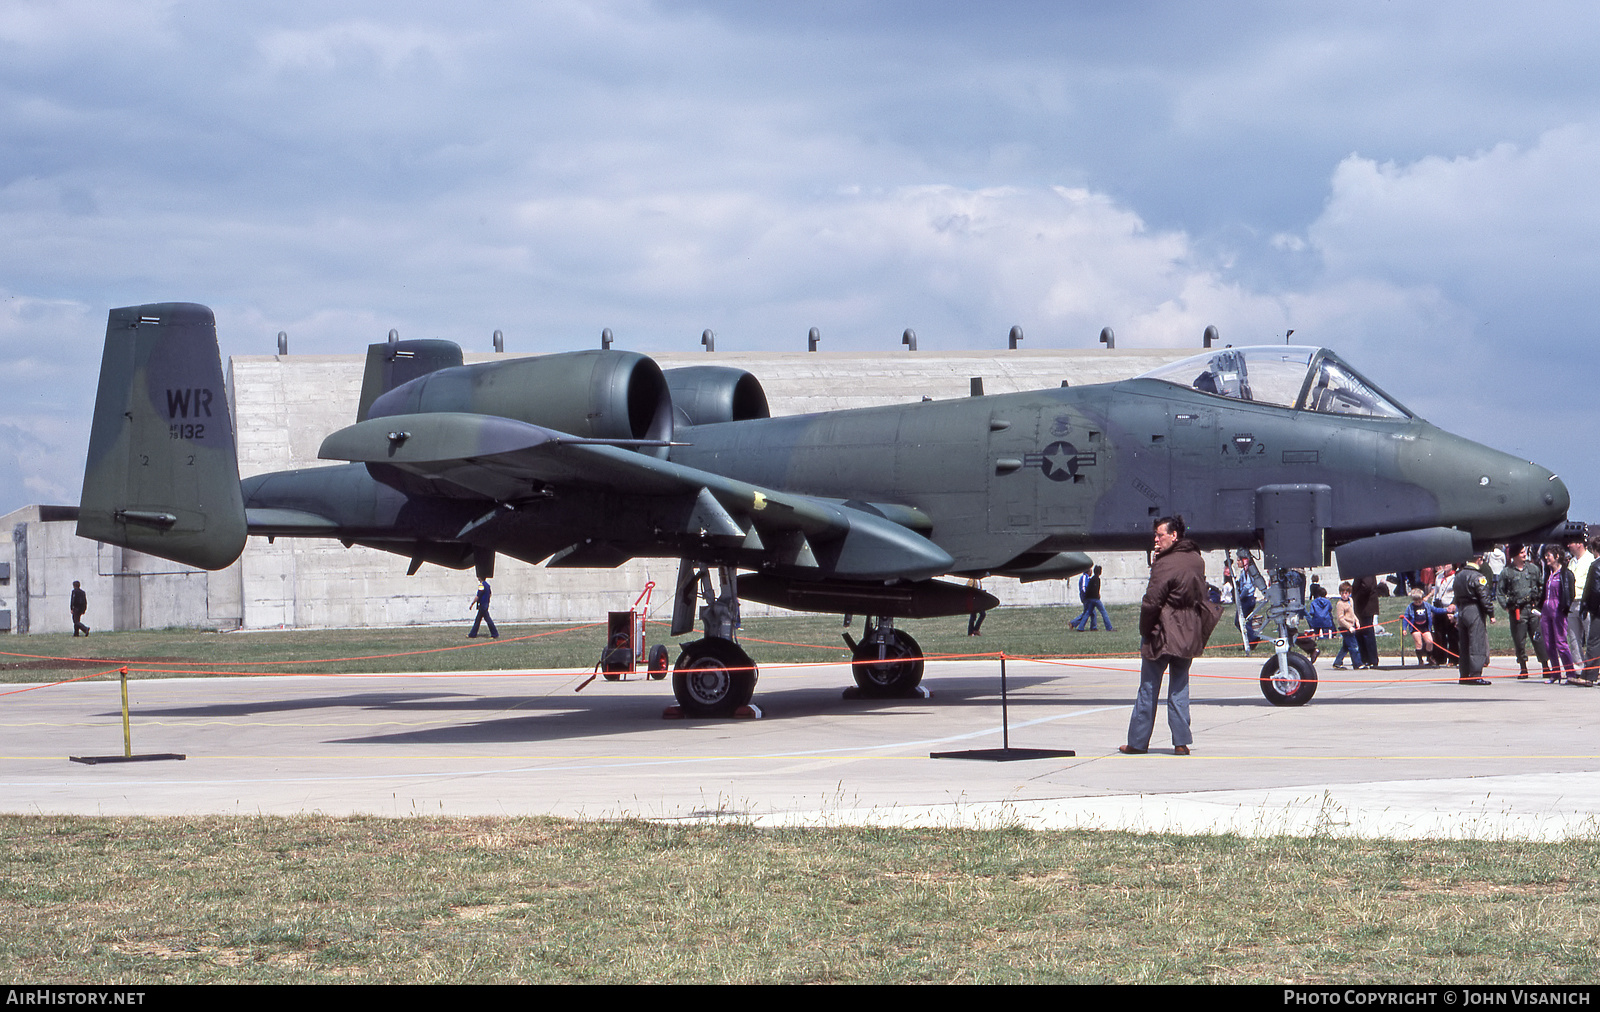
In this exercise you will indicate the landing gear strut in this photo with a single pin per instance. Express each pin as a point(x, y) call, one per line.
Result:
point(887, 662)
point(713, 676)
point(1287, 678)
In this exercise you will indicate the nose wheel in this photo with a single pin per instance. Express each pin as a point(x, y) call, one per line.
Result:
point(1293, 686)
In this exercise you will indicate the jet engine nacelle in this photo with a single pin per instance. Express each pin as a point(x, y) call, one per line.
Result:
point(706, 394)
point(1402, 552)
point(597, 394)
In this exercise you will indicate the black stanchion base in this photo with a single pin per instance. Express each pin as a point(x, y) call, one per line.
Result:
point(91, 760)
point(1004, 755)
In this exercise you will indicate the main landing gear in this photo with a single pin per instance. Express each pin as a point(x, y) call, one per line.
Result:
point(887, 663)
point(713, 676)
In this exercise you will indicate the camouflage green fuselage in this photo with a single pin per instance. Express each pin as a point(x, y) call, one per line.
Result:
point(1091, 468)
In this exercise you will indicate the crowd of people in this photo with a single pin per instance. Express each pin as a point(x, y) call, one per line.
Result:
point(1549, 595)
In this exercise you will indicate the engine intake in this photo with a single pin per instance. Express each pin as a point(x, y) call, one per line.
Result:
point(706, 394)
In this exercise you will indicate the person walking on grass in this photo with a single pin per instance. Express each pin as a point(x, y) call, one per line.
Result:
point(481, 602)
point(79, 603)
point(1176, 618)
point(1089, 591)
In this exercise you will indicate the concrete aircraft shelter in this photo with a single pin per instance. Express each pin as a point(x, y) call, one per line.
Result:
point(283, 406)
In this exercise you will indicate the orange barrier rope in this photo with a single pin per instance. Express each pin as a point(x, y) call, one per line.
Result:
point(1062, 660)
point(321, 660)
point(64, 681)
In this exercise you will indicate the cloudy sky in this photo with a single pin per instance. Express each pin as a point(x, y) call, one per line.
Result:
point(1412, 184)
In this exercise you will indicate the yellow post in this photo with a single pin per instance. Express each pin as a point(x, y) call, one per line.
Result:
point(127, 737)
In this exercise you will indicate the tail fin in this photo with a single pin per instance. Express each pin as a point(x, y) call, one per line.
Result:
point(163, 475)
point(397, 362)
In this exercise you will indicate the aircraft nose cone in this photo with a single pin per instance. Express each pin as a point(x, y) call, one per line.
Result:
point(1520, 496)
point(1492, 494)
point(1556, 497)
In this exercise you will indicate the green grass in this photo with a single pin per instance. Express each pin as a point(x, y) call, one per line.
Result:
point(315, 899)
point(174, 652)
point(1020, 632)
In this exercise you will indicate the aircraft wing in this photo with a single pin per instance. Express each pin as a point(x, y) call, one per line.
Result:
point(490, 458)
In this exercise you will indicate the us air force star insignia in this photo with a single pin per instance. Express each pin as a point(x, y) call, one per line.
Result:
point(1059, 461)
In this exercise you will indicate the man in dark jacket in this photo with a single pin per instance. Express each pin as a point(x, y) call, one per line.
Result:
point(1364, 593)
point(1473, 610)
point(78, 603)
point(1175, 620)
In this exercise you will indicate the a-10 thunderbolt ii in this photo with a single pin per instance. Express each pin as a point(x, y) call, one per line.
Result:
point(590, 458)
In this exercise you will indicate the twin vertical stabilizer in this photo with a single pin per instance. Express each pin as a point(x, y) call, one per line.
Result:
point(163, 475)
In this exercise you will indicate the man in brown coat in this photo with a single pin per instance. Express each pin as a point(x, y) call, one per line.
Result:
point(1175, 620)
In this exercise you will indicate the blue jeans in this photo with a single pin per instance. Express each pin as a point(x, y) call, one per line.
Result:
point(1143, 721)
point(1087, 618)
point(1348, 648)
point(483, 616)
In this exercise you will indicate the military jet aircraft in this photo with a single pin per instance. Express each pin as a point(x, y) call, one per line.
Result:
point(590, 458)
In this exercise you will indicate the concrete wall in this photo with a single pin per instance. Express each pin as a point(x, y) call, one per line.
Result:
point(126, 589)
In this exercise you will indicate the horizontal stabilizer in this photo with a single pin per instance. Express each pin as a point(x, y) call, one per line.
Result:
point(288, 523)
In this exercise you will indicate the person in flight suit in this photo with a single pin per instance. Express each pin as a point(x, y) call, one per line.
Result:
point(1522, 589)
point(1474, 610)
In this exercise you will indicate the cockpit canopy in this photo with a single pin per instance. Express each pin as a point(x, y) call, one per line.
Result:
point(1306, 379)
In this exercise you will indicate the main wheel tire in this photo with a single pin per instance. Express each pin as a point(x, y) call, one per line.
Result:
point(1292, 688)
point(713, 678)
point(898, 674)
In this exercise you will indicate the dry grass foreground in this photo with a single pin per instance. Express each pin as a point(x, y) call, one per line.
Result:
point(315, 899)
